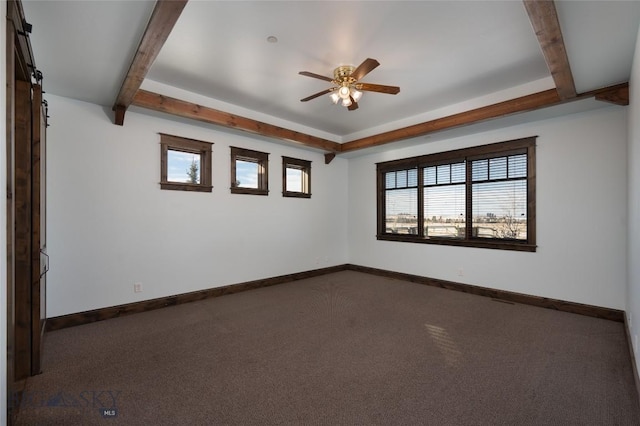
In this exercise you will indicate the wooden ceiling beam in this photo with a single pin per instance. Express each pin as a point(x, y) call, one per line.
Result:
point(522, 104)
point(163, 19)
point(618, 94)
point(156, 102)
point(544, 19)
point(328, 157)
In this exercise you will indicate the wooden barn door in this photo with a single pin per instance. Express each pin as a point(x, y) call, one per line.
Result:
point(29, 217)
point(26, 208)
point(39, 257)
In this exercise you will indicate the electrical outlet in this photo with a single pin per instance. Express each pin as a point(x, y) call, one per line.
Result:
point(460, 272)
point(137, 288)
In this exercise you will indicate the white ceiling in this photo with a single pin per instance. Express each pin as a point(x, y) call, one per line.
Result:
point(439, 53)
point(84, 48)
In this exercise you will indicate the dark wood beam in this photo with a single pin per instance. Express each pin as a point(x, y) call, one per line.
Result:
point(615, 94)
point(164, 17)
point(193, 111)
point(328, 157)
point(522, 104)
point(119, 111)
point(544, 19)
point(618, 95)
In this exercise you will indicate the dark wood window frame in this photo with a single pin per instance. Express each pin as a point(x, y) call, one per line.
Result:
point(305, 167)
point(192, 146)
point(261, 159)
point(468, 155)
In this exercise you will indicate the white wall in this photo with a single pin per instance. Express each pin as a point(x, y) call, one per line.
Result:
point(581, 215)
point(633, 252)
point(110, 225)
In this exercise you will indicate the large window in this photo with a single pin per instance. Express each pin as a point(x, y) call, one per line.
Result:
point(185, 164)
point(479, 197)
point(249, 172)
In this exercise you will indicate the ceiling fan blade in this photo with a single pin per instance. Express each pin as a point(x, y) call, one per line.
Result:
point(315, 95)
point(368, 87)
point(310, 74)
point(364, 68)
point(354, 104)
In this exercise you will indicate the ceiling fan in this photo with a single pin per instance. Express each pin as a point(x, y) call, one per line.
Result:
point(348, 89)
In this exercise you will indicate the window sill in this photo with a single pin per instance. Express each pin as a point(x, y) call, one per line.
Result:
point(477, 243)
point(295, 194)
point(250, 191)
point(179, 186)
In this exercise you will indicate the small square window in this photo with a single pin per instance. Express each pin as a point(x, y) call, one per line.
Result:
point(183, 167)
point(249, 172)
point(296, 178)
point(185, 164)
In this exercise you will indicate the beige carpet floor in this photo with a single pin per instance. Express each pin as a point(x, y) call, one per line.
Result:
point(346, 348)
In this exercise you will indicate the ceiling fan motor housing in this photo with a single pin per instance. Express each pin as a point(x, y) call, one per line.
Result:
point(342, 75)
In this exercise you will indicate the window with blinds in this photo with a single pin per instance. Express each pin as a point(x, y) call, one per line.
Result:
point(499, 194)
point(444, 200)
point(401, 202)
point(481, 197)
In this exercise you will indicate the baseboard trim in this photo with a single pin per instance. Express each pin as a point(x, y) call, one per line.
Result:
point(86, 317)
point(634, 365)
point(543, 302)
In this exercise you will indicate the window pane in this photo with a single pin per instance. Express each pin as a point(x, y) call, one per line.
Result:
point(458, 174)
point(247, 174)
point(390, 180)
point(444, 209)
point(294, 180)
point(518, 166)
point(183, 167)
point(412, 177)
point(500, 210)
point(401, 177)
point(402, 211)
point(498, 168)
point(430, 175)
point(444, 174)
point(480, 170)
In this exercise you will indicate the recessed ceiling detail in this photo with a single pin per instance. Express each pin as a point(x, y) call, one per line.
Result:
point(448, 57)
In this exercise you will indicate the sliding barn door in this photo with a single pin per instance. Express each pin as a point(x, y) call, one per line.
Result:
point(39, 258)
point(22, 218)
point(30, 228)
point(26, 208)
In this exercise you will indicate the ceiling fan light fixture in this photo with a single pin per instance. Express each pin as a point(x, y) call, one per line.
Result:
point(347, 86)
point(344, 92)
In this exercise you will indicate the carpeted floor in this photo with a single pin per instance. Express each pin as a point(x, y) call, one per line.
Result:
point(341, 349)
